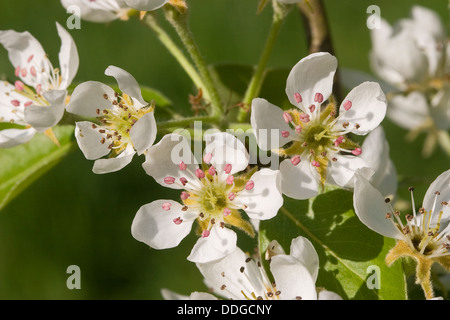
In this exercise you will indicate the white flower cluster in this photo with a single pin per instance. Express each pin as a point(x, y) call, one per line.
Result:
point(222, 192)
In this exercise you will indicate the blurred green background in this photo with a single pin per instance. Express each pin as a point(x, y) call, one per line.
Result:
point(72, 217)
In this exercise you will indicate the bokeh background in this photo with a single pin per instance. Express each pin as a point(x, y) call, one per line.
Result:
point(71, 216)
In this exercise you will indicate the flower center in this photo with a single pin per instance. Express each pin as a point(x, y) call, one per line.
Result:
point(315, 138)
point(116, 122)
point(421, 232)
point(213, 197)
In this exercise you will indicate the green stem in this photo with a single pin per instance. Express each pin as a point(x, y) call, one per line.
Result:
point(180, 23)
point(170, 45)
point(180, 123)
point(258, 76)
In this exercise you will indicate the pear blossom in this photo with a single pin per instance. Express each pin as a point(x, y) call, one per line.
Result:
point(413, 57)
point(213, 195)
point(125, 122)
point(240, 277)
point(36, 100)
point(99, 11)
point(423, 234)
point(313, 137)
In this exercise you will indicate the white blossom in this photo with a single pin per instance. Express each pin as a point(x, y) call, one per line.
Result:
point(241, 277)
point(413, 57)
point(212, 195)
point(36, 101)
point(125, 122)
point(314, 137)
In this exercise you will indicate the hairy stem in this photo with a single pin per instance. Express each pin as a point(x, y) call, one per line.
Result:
point(164, 38)
point(318, 34)
point(180, 23)
point(254, 87)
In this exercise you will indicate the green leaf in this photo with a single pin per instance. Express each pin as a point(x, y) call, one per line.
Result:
point(350, 254)
point(23, 164)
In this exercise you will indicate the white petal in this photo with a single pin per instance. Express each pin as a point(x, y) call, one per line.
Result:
point(127, 83)
point(429, 21)
point(408, 112)
point(44, 117)
point(303, 250)
point(21, 46)
point(226, 149)
point(298, 181)
point(225, 278)
point(68, 57)
point(313, 74)
point(442, 185)
point(267, 123)
point(88, 140)
point(13, 137)
point(376, 155)
point(328, 295)
point(398, 56)
point(265, 199)
point(114, 164)
point(155, 227)
point(343, 170)
point(292, 278)
point(220, 243)
point(143, 132)
point(90, 12)
point(201, 296)
point(371, 208)
point(368, 108)
point(440, 110)
point(88, 96)
point(146, 5)
point(170, 295)
point(163, 159)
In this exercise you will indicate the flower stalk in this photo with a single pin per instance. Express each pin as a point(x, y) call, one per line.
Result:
point(254, 87)
point(180, 23)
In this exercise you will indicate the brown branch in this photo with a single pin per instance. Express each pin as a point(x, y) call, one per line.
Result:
point(318, 34)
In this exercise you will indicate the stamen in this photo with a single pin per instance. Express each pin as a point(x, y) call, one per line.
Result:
point(169, 180)
point(183, 181)
point(357, 151)
point(166, 206)
point(226, 212)
point(285, 134)
point(287, 117)
point(295, 160)
point(184, 195)
point(227, 168)
point(177, 221)
point(206, 234)
point(212, 171)
point(318, 97)
point(182, 166)
point(249, 185)
point(199, 173)
point(347, 105)
point(298, 97)
point(207, 158)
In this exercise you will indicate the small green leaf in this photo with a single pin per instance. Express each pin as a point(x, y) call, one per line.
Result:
point(23, 164)
point(351, 255)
